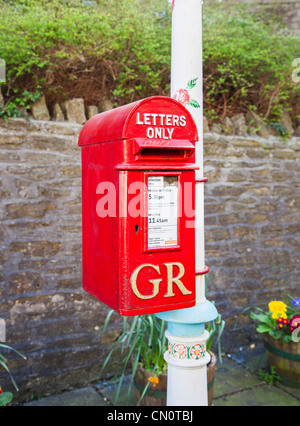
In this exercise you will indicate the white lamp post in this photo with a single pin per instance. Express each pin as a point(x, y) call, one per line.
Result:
point(187, 357)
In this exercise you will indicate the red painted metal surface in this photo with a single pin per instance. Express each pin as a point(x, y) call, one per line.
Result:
point(137, 161)
point(203, 180)
point(203, 271)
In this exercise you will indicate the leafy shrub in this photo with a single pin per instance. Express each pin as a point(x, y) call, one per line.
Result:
point(14, 107)
point(90, 49)
point(121, 50)
point(248, 63)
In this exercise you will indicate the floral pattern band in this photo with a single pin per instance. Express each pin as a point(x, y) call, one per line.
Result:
point(181, 351)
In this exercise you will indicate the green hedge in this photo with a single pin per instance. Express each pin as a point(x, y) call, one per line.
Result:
point(87, 48)
point(121, 50)
point(248, 63)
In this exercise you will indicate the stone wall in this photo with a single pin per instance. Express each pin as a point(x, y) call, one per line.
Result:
point(252, 227)
point(48, 316)
point(252, 219)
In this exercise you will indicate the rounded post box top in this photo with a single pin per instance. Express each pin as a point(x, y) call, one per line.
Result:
point(157, 118)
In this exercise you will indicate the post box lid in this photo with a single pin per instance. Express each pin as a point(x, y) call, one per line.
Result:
point(157, 118)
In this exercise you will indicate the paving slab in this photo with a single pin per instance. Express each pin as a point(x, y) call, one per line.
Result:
point(295, 392)
point(260, 396)
point(231, 377)
point(126, 396)
point(253, 359)
point(84, 397)
point(236, 383)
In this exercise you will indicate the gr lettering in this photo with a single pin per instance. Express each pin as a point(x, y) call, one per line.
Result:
point(171, 280)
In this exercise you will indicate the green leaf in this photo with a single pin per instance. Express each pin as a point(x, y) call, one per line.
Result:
point(132, 329)
point(264, 318)
point(10, 375)
point(5, 398)
point(193, 103)
point(263, 328)
point(143, 393)
point(192, 84)
point(14, 350)
point(275, 334)
point(151, 330)
point(106, 322)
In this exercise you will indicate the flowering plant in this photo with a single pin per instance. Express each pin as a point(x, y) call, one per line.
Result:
point(142, 342)
point(281, 321)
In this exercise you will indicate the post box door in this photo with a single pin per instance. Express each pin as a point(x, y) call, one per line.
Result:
point(158, 240)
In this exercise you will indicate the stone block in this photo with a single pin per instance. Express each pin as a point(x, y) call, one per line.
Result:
point(23, 282)
point(258, 125)
point(13, 138)
point(20, 124)
point(74, 110)
point(245, 233)
point(42, 141)
point(216, 234)
point(228, 126)
point(236, 176)
point(105, 105)
point(72, 170)
point(66, 129)
point(40, 110)
point(91, 111)
point(286, 122)
point(239, 122)
point(217, 128)
point(58, 114)
point(32, 210)
point(205, 125)
point(36, 248)
point(1, 98)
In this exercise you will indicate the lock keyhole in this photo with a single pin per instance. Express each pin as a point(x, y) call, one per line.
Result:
point(137, 228)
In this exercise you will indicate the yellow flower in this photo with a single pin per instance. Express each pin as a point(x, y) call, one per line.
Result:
point(278, 310)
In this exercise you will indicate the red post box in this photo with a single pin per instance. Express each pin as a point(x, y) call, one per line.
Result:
point(138, 195)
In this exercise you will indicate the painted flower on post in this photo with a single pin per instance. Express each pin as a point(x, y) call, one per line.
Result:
point(197, 352)
point(180, 351)
point(278, 310)
point(183, 95)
